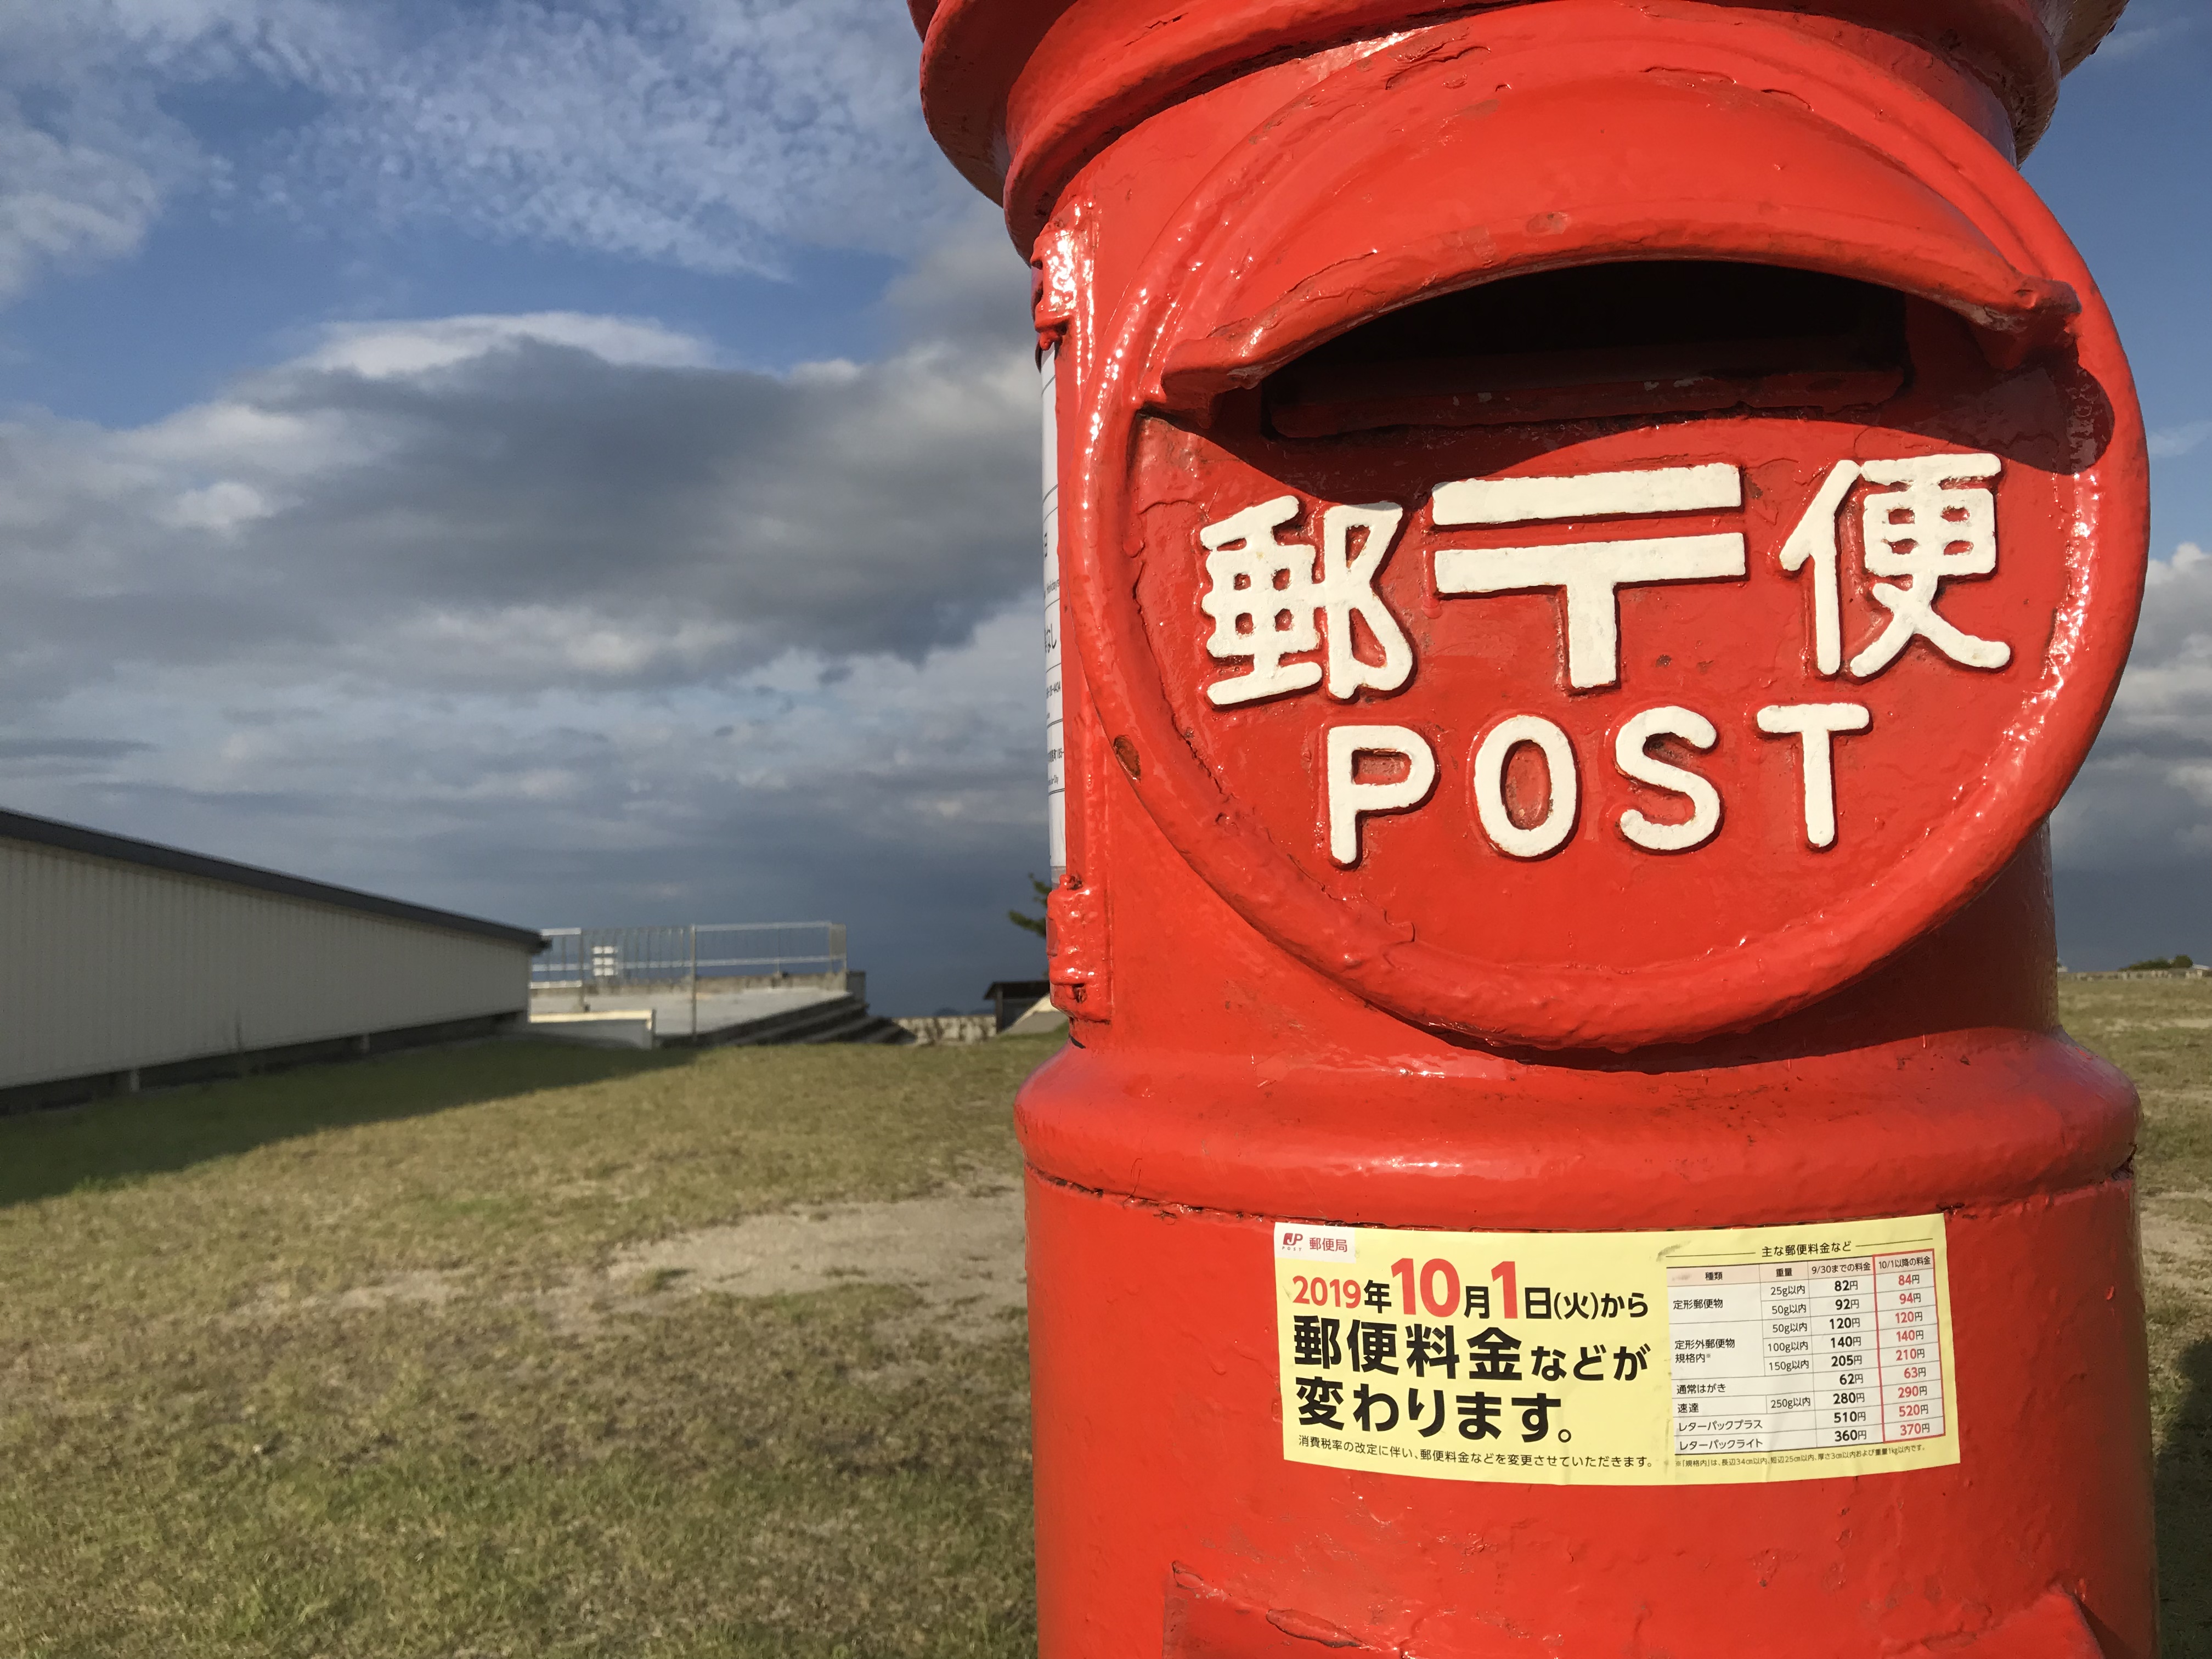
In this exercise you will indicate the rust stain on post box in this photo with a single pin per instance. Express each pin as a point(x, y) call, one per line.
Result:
point(1590, 539)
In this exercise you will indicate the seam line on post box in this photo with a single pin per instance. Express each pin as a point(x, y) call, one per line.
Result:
point(1590, 494)
point(1973, 1207)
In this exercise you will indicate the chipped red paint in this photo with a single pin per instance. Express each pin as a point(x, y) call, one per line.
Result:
point(1745, 998)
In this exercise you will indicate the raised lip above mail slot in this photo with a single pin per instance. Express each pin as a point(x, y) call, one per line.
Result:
point(1238, 234)
point(1681, 166)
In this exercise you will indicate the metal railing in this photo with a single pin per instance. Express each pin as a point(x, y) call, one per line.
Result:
point(616, 959)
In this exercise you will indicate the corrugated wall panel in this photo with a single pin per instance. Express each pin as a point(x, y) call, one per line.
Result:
point(106, 965)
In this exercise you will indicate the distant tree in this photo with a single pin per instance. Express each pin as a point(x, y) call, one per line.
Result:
point(1032, 924)
point(2153, 963)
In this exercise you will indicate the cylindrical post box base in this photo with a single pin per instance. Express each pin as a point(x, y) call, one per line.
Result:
point(1168, 1509)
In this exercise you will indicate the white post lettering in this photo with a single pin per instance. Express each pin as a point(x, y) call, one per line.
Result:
point(1266, 603)
point(1630, 755)
point(1814, 540)
point(1261, 603)
point(1589, 573)
point(1816, 725)
point(1926, 529)
point(1936, 520)
point(1490, 758)
point(1346, 800)
point(1347, 588)
point(1590, 494)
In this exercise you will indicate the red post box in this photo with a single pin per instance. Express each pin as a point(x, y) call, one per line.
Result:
point(1593, 536)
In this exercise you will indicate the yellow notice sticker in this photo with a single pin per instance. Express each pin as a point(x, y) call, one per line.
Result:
point(1753, 1353)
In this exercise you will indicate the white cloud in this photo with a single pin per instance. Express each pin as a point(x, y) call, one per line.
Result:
point(2144, 799)
point(2174, 441)
point(399, 349)
point(709, 134)
point(714, 135)
point(66, 202)
point(2134, 38)
point(221, 506)
point(522, 643)
point(516, 502)
point(241, 436)
point(89, 155)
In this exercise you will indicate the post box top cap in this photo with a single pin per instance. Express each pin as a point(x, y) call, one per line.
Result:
point(1007, 83)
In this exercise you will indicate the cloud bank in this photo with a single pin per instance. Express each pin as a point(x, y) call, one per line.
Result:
point(2144, 799)
point(560, 617)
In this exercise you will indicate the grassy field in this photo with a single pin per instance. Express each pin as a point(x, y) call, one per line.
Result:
point(339, 1363)
point(2159, 1032)
point(301, 1366)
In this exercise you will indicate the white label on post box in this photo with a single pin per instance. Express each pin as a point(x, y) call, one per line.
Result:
point(1642, 1358)
point(1056, 741)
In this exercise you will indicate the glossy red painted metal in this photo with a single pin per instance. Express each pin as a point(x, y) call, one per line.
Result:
point(1157, 1449)
point(1033, 90)
point(1421, 1019)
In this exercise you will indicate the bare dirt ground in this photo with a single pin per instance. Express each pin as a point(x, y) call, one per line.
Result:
point(961, 1253)
point(958, 1252)
point(2177, 1252)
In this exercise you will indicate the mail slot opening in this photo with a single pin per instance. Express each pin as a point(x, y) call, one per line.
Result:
point(1646, 337)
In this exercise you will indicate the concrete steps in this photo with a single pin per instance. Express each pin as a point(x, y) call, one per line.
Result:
point(838, 1019)
point(861, 1027)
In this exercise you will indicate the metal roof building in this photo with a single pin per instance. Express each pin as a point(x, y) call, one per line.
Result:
point(129, 964)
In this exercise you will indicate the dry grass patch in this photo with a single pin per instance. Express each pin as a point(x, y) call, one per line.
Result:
point(456, 1353)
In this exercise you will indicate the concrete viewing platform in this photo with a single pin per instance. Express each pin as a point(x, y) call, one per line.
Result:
point(824, 1008)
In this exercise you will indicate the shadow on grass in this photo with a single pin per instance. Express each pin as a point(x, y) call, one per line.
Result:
point(2185, 1517)
point(123, 1138)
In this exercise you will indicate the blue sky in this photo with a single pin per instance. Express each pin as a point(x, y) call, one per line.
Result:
point(574, 463)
